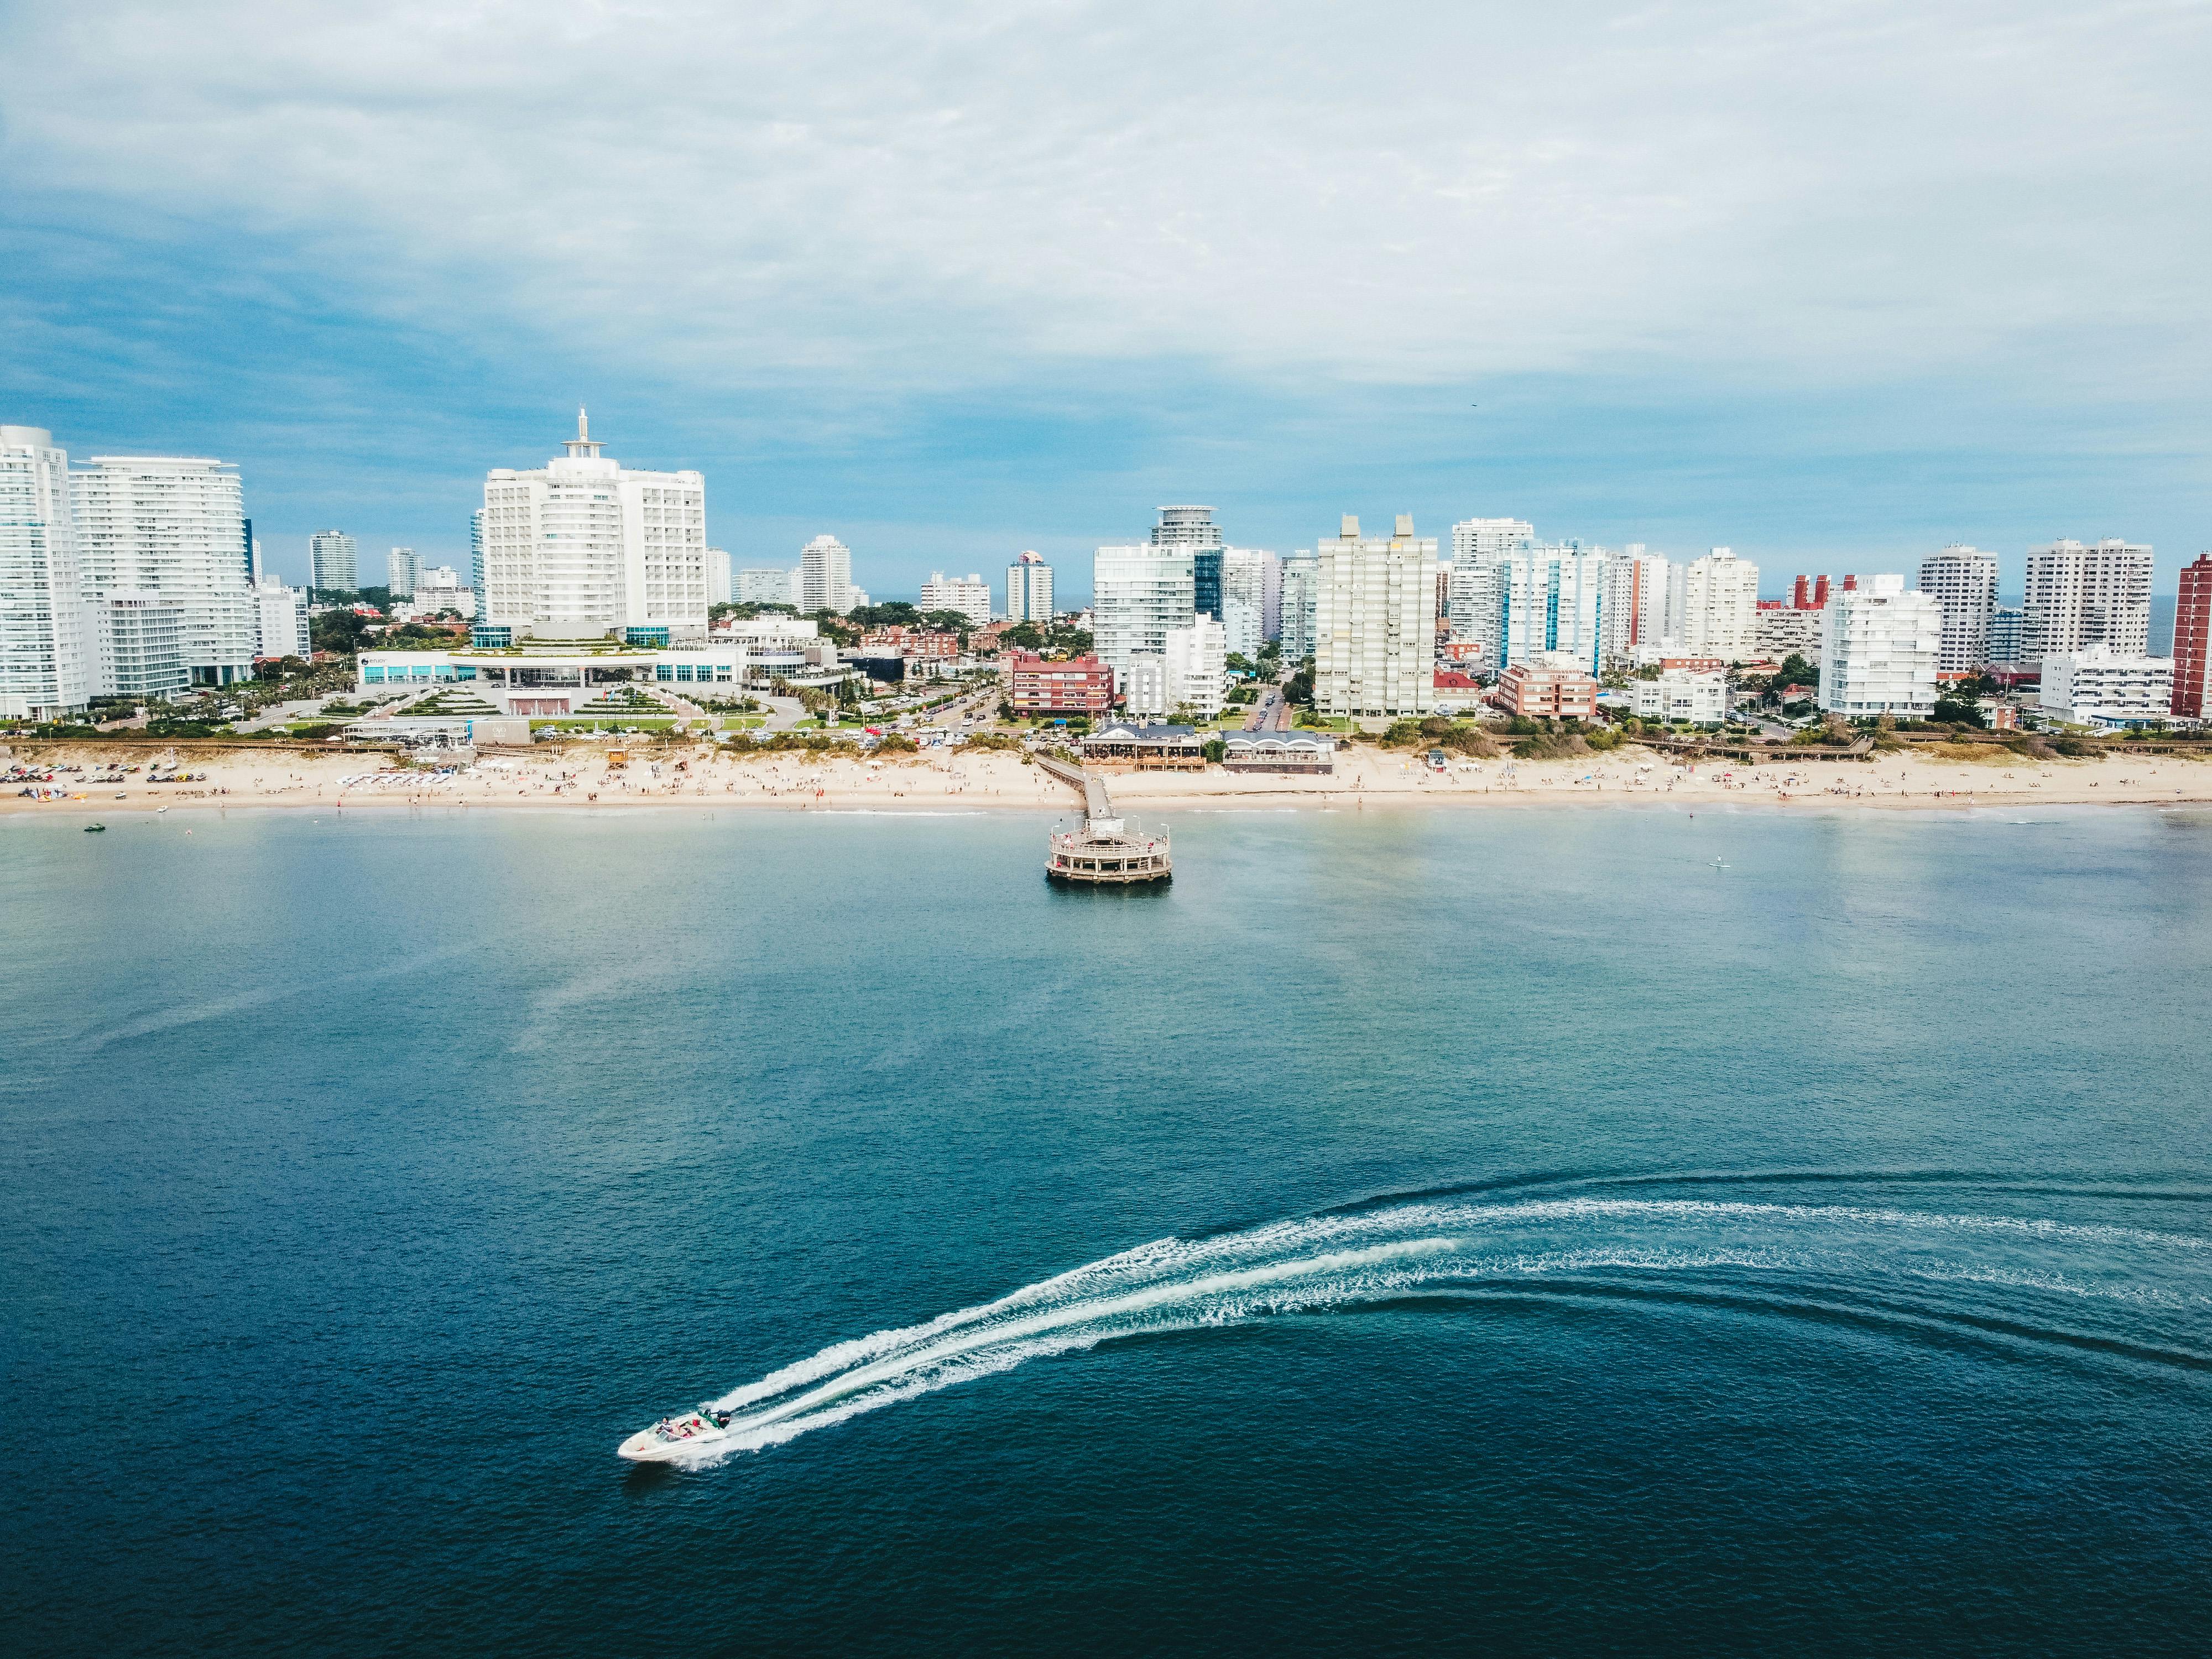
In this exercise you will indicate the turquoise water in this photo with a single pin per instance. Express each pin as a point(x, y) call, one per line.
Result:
point(1417, 1229)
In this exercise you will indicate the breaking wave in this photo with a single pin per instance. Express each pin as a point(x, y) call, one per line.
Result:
point(2116, 1292)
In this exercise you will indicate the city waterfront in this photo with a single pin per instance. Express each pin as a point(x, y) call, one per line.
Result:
point(1551, 1230)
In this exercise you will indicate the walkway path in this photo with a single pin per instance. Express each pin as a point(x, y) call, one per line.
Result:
point(1094, 802)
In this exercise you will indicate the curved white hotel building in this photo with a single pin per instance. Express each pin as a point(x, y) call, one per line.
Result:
point(584, 545)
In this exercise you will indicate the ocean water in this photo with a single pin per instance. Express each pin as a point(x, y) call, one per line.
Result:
point(1531, 1230)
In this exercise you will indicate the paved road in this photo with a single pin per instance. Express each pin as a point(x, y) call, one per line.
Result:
point(1271, 714)
point(280, 712)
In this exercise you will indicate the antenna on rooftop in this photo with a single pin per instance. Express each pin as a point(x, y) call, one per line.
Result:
point(582, 443)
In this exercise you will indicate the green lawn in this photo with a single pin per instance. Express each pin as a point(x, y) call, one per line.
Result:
point(603, 726)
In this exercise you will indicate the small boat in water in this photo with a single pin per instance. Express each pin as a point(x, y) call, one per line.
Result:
point(675, 1438)
point(94, 829)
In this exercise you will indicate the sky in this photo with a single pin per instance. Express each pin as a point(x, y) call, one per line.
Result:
point(1834, 285)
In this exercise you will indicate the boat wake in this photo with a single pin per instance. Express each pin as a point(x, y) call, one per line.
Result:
point(2120, 1293)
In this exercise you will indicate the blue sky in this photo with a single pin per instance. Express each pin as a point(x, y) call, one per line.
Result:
point(1832, 284)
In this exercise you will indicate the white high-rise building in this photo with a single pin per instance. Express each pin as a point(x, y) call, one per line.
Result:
point(1714, 606)
point(1486, 541)
point(280, 615)
point(333, 560)
point(477, 551)
point(402, 567)
point(1472, 607)
point(2081, 596)
point(1250, 577)
point(763, 587)
point(1137, 595)
point(1197, 666)
point(1637, 588)
point(1186, 526)
point(1964, 581)
point(718, 576)
point(1028, 590)
point(140, 638)
point(1374, 623)
point(825, 576)
point(1300, 594)
point(175, 526)
point(969, 595)
point(48, 659)
point(583, 546)
point(1552, 607)
point(1878, 650)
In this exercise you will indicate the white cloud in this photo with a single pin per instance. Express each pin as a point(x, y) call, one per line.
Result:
point(945, 197)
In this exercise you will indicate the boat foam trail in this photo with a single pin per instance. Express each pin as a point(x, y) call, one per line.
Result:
point(2149, 1287)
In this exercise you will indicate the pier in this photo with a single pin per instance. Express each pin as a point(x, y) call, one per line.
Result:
point(1105, 852)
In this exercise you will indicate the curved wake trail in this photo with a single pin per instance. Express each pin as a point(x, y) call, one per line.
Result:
point(2147, 1289)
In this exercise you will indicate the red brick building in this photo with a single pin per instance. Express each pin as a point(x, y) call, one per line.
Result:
point(1541, 693)
point(1077, 686)
point(915, 644)
point(2192, 638)
point(985, 641)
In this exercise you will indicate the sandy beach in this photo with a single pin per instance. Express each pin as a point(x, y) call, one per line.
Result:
point(936, 780)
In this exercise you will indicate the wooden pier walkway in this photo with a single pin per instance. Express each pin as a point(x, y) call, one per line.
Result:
point(1095, 804)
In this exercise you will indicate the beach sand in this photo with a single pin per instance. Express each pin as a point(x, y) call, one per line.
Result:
point(940, 780)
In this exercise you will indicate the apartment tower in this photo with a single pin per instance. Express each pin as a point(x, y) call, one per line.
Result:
point(334, 562)
point(46, 651)
point(2193, 639)
point(1028, 589)
point(1374, 623)
point(1964, 581)
point(172, 527)
point(1137, 595)
point(2080, 596)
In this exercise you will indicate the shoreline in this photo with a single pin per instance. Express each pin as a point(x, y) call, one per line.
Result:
point(958, 782)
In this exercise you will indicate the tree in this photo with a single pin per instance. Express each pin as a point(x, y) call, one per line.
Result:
point(1795, 671)
point(335, 631)
point(1024, 636)
point(1959, 707)
point(1216, 751)
point(949, 622)
point(1300, 690)
point(1238, 663)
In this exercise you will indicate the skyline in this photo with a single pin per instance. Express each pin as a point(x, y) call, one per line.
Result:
point(1833, 289)
point(286, 552)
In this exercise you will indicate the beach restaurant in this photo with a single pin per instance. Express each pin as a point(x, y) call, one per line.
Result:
point(1147, 748)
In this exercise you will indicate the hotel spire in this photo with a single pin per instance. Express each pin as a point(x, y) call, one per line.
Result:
point(582, 443)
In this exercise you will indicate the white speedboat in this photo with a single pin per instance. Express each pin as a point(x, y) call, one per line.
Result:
point(672, 1439)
